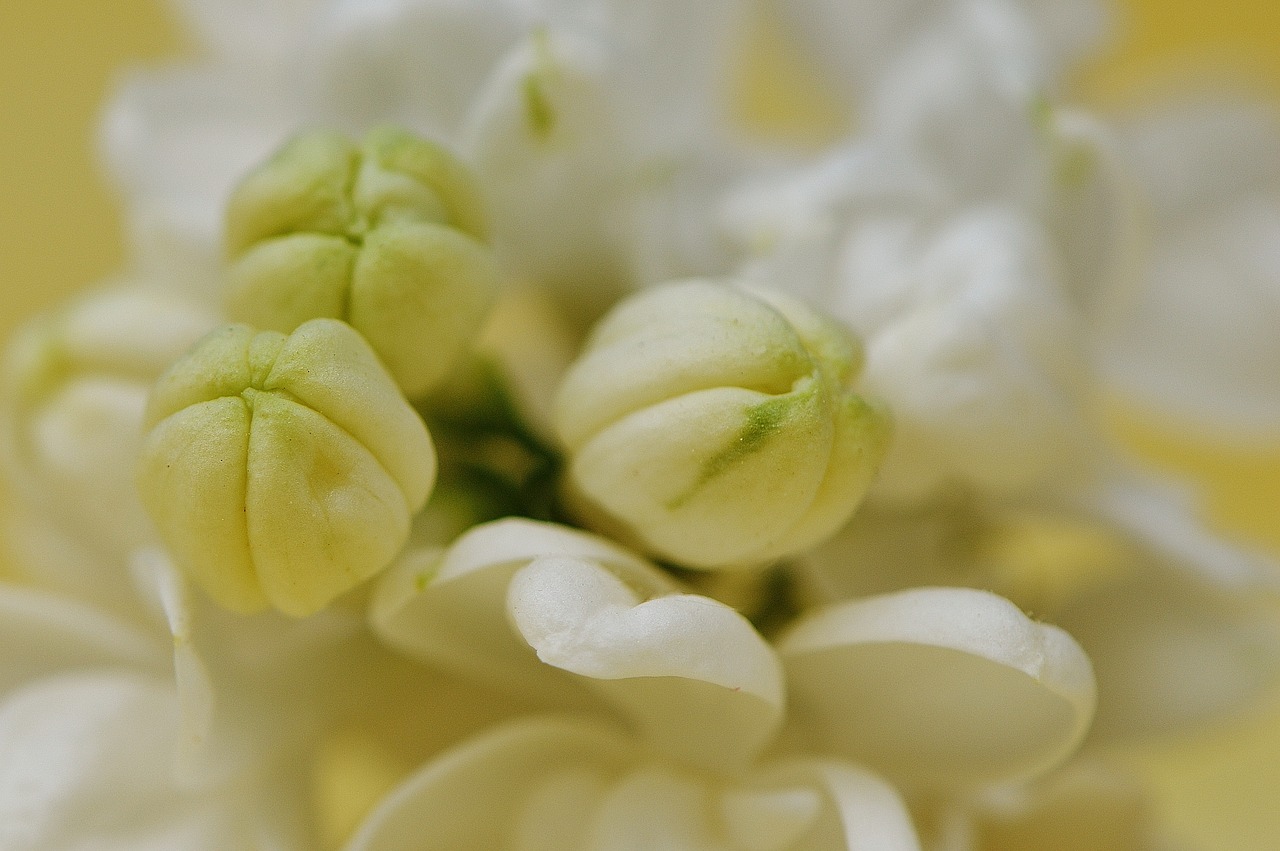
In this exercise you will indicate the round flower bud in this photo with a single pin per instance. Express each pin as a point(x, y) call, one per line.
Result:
point(282, 470)
point(716, 425)
point(386, 236)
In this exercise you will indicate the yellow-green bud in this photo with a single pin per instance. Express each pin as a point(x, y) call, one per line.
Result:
point(385, 235)
point(282, 470)
point(717, 426)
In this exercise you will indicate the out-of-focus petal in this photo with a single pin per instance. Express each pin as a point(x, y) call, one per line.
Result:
point(939, 688)
point(1086, 806)
point(863, 812)
point(420, 63)
point(1197, 342)
point(854, 41)
point(86, 762)
point(1171, 653)
point(472, 797)
point(544, 137)
point(973, 346)
point(176, 142)
point(1162, 518)
point(248, 29)
point(43, 633)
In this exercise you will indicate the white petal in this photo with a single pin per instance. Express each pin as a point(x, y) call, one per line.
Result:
point(691, 672)
point(450, 609)
point(248, 29)
point(770, 819)
point(1171, 653)
point(939, 687)
point(43, 633)
point(653, 808)
point(261, 686)
point(1197, 341)
point(86, 765)
point(1163, 519)
point(544, 138)
point(176, 142)
point(869, 814)
point(420, 64)
point(1084, 807)
point(472, 796)
point(974, 347)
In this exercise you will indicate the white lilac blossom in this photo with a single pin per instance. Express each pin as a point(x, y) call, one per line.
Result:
point(881, 683)
point(936, 689)
point(948, 252)
point(76, 385)
point(718, 425)
point(282, 470)
point(586, 122)
point(1195, 340)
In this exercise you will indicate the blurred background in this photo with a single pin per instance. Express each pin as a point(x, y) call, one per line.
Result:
point(59, 232)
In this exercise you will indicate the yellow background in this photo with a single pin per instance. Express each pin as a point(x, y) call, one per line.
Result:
point(59, 232)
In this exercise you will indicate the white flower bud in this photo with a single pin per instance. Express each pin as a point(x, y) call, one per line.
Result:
point(717, 424)
point(385, 235)
point(76, 387)
point(283, 470)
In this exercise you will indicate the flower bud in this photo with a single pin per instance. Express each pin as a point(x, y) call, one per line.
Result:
point(716, 425)
point(282, 470)
point(76, 385)
point(386, 236)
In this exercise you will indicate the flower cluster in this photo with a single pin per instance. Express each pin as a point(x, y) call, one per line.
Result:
point(609, 475)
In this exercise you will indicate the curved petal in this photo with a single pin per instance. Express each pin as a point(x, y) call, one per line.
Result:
point(450, 608)
point(43, 633)
point(259, 686)
point(1163, 520)
point(938, 688)
point(1084, 807)
point(472, 797)
point(1171, 653)
point(691, 672)
point(864, 813)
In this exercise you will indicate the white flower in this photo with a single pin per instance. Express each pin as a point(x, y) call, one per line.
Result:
point(853, 42)
point(570, 783)
point(75, 389)
point(572, 113)
point(936, 689)
point(949, 237)
point(1196, 340)
point(1127, 568)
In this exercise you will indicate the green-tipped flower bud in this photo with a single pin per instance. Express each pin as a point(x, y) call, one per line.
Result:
point(716, 424)
point(386, 235)
point(283, 470)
